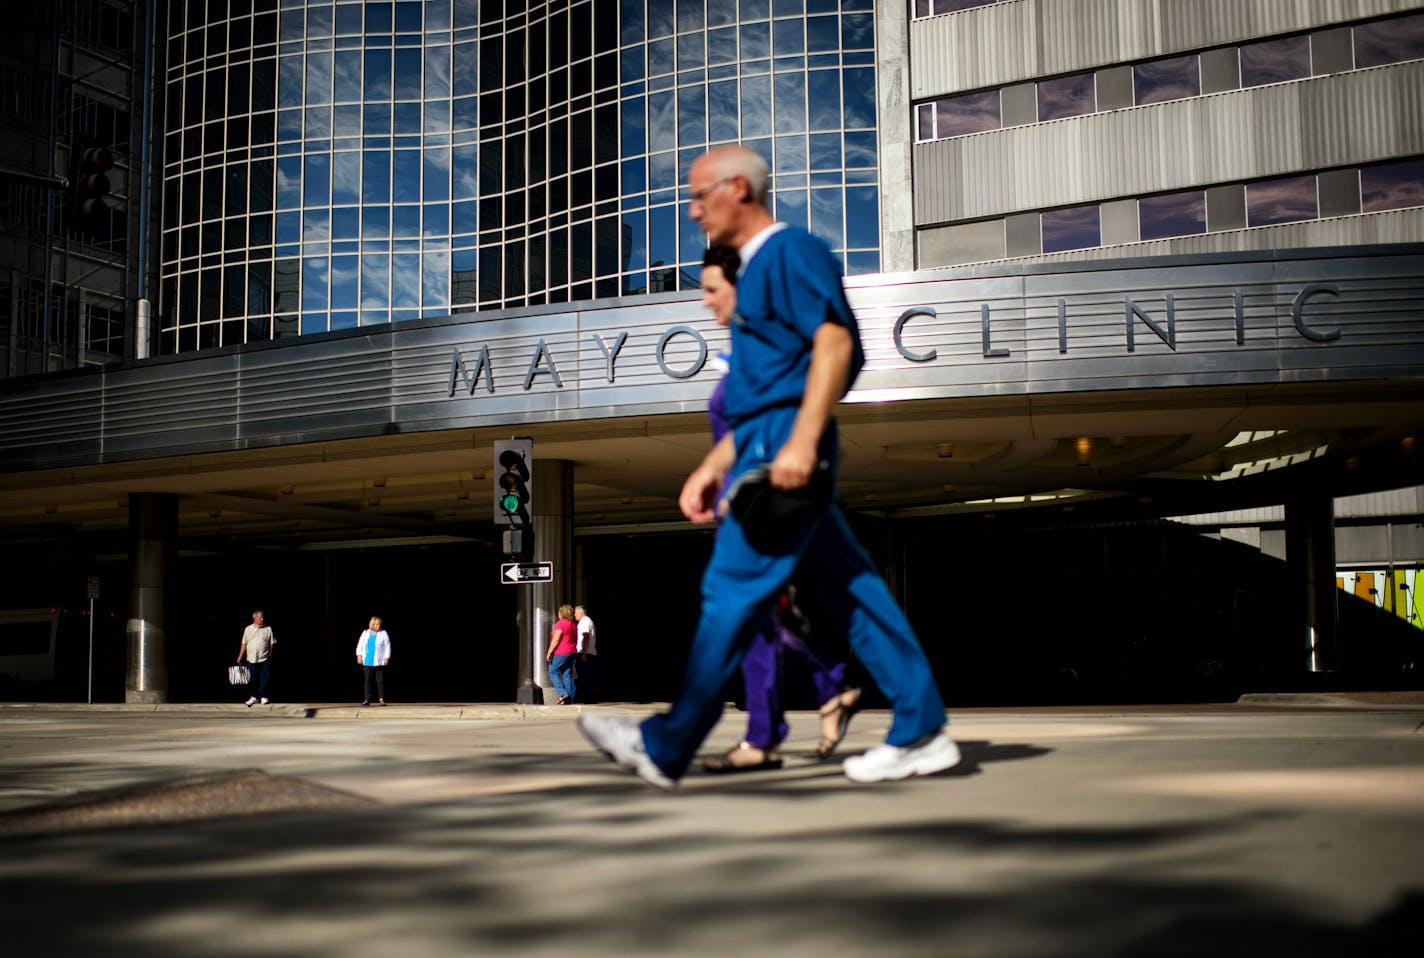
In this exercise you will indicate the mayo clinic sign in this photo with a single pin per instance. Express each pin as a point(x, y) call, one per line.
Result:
point(1213, 320)
point(927, 336)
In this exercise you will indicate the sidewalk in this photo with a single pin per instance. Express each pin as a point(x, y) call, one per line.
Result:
point(1224, 831)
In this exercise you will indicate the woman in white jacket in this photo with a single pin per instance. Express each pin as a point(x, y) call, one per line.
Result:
point(373, 651)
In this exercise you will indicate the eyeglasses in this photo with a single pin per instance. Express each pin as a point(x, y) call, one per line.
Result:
point(696, 196)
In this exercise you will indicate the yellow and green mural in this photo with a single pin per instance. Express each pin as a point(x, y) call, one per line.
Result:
point(1393, 590)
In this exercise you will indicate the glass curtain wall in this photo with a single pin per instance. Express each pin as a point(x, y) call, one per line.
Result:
point(329, 165)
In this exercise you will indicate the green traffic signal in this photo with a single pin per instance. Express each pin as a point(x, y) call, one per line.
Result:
point(512, 501)
point(509, 501)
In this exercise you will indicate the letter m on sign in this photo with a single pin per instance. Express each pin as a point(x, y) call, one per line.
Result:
point(471, 379)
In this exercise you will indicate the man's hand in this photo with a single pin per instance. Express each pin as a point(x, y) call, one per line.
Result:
point(698, 499)
point(793, 465)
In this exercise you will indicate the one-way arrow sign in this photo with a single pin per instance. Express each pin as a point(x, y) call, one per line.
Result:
point(517, 573)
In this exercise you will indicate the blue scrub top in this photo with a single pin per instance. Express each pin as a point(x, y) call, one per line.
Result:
point(791, 286)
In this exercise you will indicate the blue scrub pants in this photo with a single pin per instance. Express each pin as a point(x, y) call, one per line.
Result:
point(738, 588)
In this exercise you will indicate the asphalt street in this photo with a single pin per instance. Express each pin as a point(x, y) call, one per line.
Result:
point(1229, 830)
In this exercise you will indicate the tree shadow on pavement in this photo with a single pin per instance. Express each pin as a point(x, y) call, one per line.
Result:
point(614, 868)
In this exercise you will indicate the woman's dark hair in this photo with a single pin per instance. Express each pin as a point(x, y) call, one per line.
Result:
point(724, 258)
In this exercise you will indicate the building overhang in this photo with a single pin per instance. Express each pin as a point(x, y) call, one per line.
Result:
point(1044, 383)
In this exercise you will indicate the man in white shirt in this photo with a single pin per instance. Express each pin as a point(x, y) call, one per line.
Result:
point(256, 647)
point(587, 652)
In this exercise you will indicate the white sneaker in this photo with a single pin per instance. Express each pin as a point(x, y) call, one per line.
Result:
point(621, 739)
point(251, 701)
point(889, 763)
point(264, 701)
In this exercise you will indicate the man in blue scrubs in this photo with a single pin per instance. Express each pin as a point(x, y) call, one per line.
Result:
point(795, 352)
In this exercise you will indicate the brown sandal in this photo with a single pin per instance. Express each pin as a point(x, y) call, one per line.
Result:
point(843, 711)
point(724, 764)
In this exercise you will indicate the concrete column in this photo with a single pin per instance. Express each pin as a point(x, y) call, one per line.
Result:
point(897, 133)
point(553, 495)
point(1310, 569)
point(153, 541)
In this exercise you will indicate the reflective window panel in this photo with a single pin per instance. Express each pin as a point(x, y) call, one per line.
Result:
point(1074, 228)
point(1274, 61)
point(1162, 80)
point(1066, 96)
point(974, 113)
point(1172, 214)
point(1392, 186)
point(1289, 199)
point(1389, 41)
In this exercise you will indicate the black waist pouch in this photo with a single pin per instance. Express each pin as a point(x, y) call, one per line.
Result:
point(765, 511)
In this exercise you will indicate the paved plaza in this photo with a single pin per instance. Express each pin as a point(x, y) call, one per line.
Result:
point(1233, 830)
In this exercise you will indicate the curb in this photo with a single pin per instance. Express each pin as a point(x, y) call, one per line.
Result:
point(486, 712)
point(1413, 701)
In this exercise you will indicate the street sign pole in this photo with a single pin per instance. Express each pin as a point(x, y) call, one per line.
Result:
point(93, 590)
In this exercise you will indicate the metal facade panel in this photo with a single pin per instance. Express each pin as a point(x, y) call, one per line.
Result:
point(962, 334)
point(1193, 24)
point(1396, 502)
point(1355, 545)
point(1016, 40)
point(1380, 546)
point(985, 46)
point(1273, 543)
point(1395, 226)
point(1235, 517)
point(344, 384)
point(187, 404)
point(71, 406)
point(1407, 544)
point(1365, 115)
point(1227, 137)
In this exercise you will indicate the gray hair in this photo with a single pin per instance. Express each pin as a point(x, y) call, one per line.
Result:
point(745, 162)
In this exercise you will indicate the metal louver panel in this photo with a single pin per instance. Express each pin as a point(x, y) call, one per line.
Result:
point(1348, 118)
point(1016, 40)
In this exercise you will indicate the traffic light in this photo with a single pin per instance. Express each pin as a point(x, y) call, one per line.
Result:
point(513, 502)
point(88, 208)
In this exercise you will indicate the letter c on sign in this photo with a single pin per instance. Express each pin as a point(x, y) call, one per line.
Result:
point(900, 328)
point(690, 371)
point(1320, 336)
